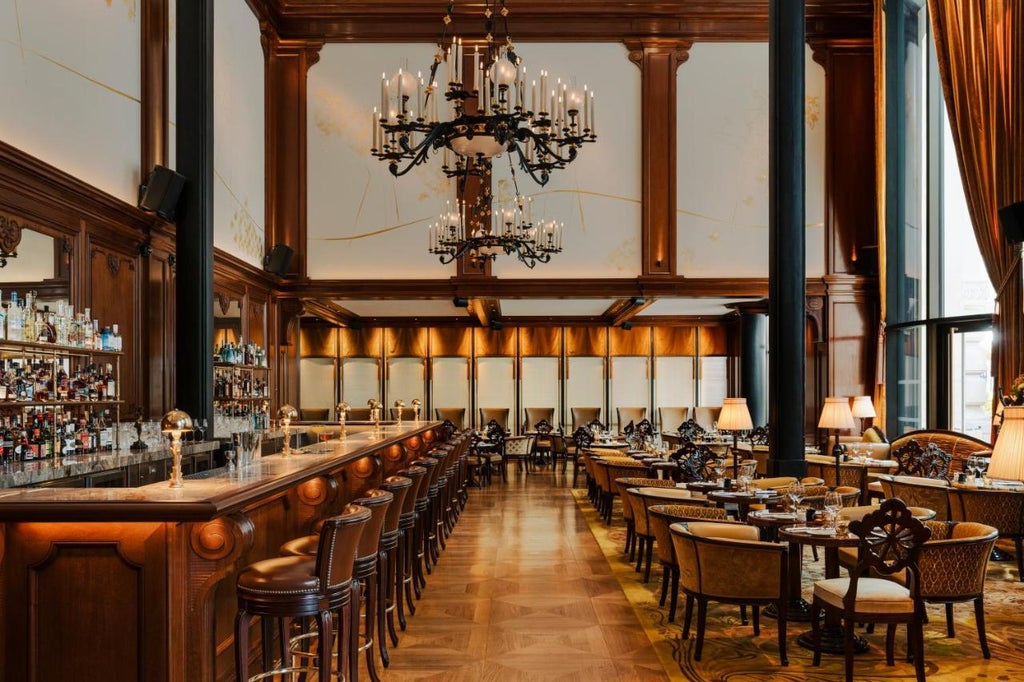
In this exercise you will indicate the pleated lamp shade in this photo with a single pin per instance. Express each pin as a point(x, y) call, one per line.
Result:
point(863, 408)
point(836, 414)
point(1008, 454)
point(734, 415)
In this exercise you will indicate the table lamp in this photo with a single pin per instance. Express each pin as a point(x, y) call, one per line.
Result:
point(374, 406)
point(836, 415)
point(342, 412)
point(416, 405)
point(286, 413)
point(399, 406)
point(735, 417)
point(862, 409)
point(1008, 454)
point(174, 423)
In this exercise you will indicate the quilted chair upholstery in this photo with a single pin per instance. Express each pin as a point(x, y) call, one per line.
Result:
point(1002, 509)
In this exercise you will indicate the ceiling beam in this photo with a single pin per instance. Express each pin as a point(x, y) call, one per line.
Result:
point(542, 20)
point(330, 312)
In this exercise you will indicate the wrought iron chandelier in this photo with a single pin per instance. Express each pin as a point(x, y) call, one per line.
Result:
point(481, 231)
point(541, 128)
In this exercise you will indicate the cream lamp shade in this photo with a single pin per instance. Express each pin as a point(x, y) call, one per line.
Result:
point(836, 414)
point(862, 407)
point(1008, 453)
point(734, 415)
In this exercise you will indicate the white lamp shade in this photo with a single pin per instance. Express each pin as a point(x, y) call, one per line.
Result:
point(836, 414)
point(1008, 454)
point(862, 407)
point(734, 415)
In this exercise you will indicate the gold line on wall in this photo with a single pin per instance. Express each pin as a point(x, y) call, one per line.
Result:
point(35, 53)
point(21, 41)
point(374, 233)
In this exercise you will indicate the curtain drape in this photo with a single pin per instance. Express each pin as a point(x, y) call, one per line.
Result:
point(880, 168)
point(981, 65)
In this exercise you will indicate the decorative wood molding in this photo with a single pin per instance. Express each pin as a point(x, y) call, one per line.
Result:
point(540, 20)
point(486, 310)
point(154, 115)
point(10, 234)
point(113, 264)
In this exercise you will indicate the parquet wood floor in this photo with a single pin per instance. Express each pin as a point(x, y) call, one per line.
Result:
point(523, 592)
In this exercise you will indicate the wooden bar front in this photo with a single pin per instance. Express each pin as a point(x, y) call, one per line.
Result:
point(139, 583)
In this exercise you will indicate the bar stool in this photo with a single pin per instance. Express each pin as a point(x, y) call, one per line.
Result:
point(406, 544)
point(299, 587)
point(424, 524)
point(390, 539)
point(363, 590)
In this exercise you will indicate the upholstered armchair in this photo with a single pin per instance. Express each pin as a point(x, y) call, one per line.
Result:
point(727, 563)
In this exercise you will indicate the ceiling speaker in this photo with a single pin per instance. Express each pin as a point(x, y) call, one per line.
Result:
point(161, 192)
point(278, 260)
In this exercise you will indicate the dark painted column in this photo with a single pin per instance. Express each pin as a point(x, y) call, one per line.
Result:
point(786, 266)
point(754, 358)
point(194, 243)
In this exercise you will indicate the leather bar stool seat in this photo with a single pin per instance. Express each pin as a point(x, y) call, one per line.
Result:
point(314, 585)
point(390, 542)
point(404, 582)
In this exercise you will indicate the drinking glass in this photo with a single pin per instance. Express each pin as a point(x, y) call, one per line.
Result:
point(795, 493)
point(833, 504)
point(203, 425)
point(249, 447)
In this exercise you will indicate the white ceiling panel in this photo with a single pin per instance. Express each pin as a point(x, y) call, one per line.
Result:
point(404, 308)
point(688, 306)
point(546, 307)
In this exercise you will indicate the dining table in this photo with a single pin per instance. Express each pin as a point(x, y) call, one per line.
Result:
point(743, 499)
point(833, 636)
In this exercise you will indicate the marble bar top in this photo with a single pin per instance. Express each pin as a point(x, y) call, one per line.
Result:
point(34, 472)
point(200, 499)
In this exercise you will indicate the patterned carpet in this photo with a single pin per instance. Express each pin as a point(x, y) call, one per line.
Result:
point(731, 652)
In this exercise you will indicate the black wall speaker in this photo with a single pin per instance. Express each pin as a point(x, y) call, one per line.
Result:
point(161, 192)
point(1012, 220)
point(278, 260)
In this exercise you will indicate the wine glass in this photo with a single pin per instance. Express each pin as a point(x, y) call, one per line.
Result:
point(833, 504)
point(795, 492)
point(203, 425)
point(719, 468)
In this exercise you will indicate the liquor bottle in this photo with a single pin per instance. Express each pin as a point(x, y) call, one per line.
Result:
point(116, 340)
point(44, 329)
point(14, 318)
point(105, 339)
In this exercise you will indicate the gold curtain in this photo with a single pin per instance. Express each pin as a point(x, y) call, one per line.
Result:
point(879, 48)
point(981, 65)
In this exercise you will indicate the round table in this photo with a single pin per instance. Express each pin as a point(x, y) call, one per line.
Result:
point(797, 609)
point(832, 633)
point(743, 500)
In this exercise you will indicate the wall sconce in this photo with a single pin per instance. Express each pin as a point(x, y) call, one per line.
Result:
point(417, 405)
point(286, 414)
point(399, 406)
point(174, 423)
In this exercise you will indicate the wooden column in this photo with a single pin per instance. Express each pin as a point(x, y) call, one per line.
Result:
point(658, 60)
point(194, 236)
point(154, 85)
point(287, 63)
point(851, 225)
point(787, 242)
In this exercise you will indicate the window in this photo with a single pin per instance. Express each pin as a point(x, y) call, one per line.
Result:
point(940, 297)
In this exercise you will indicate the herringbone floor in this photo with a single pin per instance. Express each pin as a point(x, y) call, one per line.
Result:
point(523, 592)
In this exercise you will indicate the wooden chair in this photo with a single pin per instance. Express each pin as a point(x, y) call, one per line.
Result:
point(519, 449)
point(1002, 509)
point(542, 442)
point(920, 492)
point(953, 566)
point(582, 439)
point(622, 485)
point(314, 414)
point(581, 416)
point(890, 543)
point(660, 517)
point(671, 417)
point(497, 414)
point(625, 415)
point(928, 461)
point(727, 563)
point(707, 416)
point(535, 415)
point(456, 415)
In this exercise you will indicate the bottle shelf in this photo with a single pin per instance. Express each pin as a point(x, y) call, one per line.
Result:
point(228, 365)
point(7, 404)
point(9, 345)
point(241, 400)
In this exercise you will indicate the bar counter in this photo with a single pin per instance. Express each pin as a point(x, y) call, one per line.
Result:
point(138, 583)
